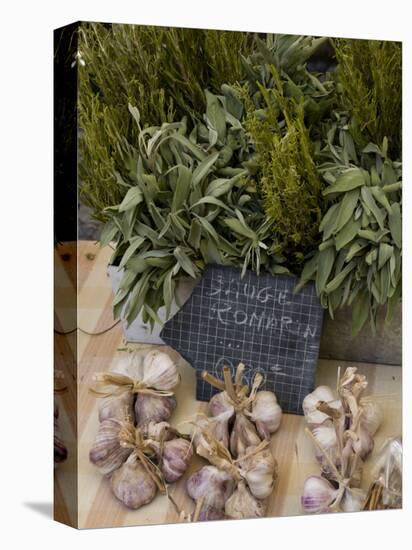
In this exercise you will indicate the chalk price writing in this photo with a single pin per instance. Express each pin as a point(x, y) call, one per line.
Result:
point(227, 314)
point(248, 291)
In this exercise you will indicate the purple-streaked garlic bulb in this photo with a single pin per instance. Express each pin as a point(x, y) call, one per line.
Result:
point(266, 413)
point(220, 404)
point(242, 504)
point(132, 485)
point(116, 406)
point(243, 435)
point(213, 486)
point(174, 458)
point(157, 431)
point(107, 452)
point(259, 470)
point(153, 408)
point(318, 495)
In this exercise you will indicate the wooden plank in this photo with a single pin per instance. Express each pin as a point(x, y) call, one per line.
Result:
point(291, 447)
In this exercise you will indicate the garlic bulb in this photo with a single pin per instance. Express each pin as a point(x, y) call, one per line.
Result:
point(159, 371)
point(107, 453)
point(372, 416)
point(259, 471)
point(156, 431)
point(352, 500)
point(211, 484)
point(318, 495)
point(132, 485)
point(131, 365)
point(220, 404)
point(243, 435)
point(153, 408)
point(116, 406)
point(364, 445)
point(311, 401)
point(175, 458)
point(266, 413)
point(242, 504)
point(208, 513)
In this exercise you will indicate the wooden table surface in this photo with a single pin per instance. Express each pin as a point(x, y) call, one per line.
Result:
point(97, 507)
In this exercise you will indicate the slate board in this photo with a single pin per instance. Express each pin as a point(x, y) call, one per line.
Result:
point(257, 320)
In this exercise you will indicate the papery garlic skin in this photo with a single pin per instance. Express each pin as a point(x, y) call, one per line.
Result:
point(352, 500)
point(243, 505)
point(117, 406)
point(211, 484)
point(159, 371)
point(219, 404)
point(318, 495)
point(208, 513)
point(107, 453)
point(372, 416)
point(311, 401)
point(364, 445)
point(243, 435)
point(266, 413)
point(157, 430)
point(175, 458)
point(131, 365)
point(152, 408)
point(260, 471)
point(132, 485)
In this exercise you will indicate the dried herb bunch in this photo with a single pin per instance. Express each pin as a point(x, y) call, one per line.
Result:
point(370, 78)
point(162, 70)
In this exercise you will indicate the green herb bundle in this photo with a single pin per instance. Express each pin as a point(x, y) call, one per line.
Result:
point(161, 70)
point(185, 206)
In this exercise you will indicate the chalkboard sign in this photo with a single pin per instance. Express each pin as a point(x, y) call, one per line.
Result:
point(257, 320)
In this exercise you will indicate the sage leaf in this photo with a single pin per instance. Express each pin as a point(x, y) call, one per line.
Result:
point(348, 180)
point(385, 253)
point(238, 227)
point(360, 312)
point(204, 167)
point(133, 197)
point(325, 263)
point(135, 244)
point(370, 203)
point(328, 223)
point(215, 115)
point(395, 224)
point(340, 277)
point(347, 233)
point(347, 207)
point(185, 262)
point(108, 234)
point(182, 190)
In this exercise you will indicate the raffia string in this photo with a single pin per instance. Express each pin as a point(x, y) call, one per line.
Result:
point(238, 395)
point(110, 384)
point(131, 437)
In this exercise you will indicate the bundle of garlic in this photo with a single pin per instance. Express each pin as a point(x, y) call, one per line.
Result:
point(140, 386)
point(135, 447)
point(138, 462)
point(385, 491)
point(234, 439)
point(342, 427)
